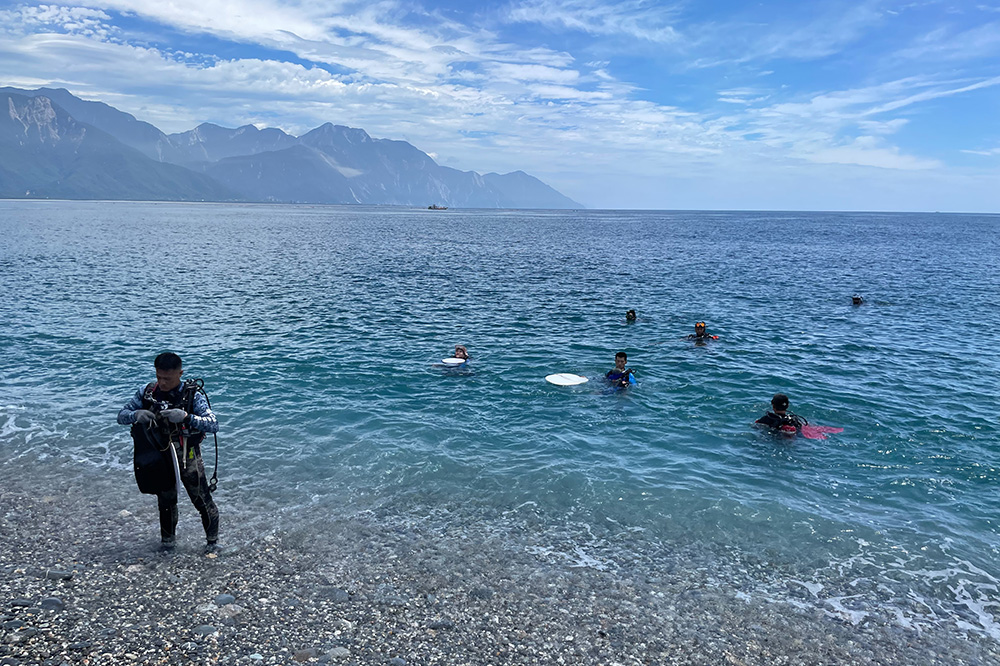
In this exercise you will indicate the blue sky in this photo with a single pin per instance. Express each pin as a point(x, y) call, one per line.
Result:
point(879, 105)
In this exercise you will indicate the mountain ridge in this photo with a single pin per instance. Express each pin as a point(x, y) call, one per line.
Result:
point(46, 153)
point(333, 164)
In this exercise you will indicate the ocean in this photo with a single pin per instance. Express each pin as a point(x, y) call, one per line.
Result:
point(319, 332)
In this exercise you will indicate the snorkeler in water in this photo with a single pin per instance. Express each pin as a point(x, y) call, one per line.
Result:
point(620, 376)
point(857, 299)
point(630, 316)
point(701, 333)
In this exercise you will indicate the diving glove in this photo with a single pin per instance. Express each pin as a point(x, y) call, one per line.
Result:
point(174, 415)
point(144, 416)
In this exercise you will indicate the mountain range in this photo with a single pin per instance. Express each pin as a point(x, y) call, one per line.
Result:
point(56, 145)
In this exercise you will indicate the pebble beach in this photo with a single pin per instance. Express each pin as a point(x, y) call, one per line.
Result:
point(84, 583)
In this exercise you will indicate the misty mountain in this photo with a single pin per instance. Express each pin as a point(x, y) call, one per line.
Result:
point(330, 164)
point(211, 143)
point(299, 173)
point(142, 136)
point(46, 153)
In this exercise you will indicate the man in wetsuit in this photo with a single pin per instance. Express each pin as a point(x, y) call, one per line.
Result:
point(701, 334)
point(780, 418)
point(620, 376)
point(171, 412)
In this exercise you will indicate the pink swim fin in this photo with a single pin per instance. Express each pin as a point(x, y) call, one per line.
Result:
point(818, 431)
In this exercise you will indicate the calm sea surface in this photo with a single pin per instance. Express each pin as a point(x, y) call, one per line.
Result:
point(317, 331)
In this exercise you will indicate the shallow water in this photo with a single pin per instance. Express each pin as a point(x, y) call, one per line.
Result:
point(317, 331)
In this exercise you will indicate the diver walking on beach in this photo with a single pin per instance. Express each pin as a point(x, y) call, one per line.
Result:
point(169, 419)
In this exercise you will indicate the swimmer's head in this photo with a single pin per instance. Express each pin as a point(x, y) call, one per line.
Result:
point(461, 351)
point(779, 403)
point(857, 300)
point(630, 315)
point(621, 358)
point(699, 328)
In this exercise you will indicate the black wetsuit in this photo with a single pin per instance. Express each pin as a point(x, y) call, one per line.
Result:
point(772, 420)
point(152, 440)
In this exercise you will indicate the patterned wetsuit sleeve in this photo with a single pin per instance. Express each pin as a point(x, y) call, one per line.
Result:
point(202, 417)
point(127, 414)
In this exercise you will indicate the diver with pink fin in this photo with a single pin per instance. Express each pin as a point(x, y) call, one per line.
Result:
point(788, 424)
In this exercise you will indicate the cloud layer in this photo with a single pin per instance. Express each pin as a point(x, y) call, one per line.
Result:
point(627, 104)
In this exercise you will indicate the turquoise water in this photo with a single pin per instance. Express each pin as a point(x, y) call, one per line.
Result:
point(317, 331)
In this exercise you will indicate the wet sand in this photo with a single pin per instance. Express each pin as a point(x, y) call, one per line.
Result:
point(84, 583)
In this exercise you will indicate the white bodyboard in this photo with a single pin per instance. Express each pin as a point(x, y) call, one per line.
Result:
point(565, 379)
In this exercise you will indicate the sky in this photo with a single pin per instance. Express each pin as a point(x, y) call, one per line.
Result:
point(838, 105)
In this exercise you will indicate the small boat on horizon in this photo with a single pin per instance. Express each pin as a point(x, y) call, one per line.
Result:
point(436, 207)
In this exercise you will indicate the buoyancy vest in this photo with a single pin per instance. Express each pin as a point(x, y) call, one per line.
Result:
point(623, 378)
point(154, 471)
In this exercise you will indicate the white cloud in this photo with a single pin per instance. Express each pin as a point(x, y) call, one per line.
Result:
point(757, 34)
point(951, 43)
point(868, 151)
point(940, 91)
point(883, 127)
point(70, 20)
point(985, 153)
point(516, 72)
point(635, 19)
point(742, 96)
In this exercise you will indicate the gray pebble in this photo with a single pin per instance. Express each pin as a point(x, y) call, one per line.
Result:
point(396, 661)
point(13, 624)
point(204, 630)
point(53, 603)
point(224, 599)
point(82, 645)
point(387, 594)
point(305, 655)
point(58, 574)
point(256, 657)
point(441, 624)
point(481, 593)
point(338, 653)
point(27, 632)
point(336, 594)
point(20, 603)
point(190, 646)
point(9, 661)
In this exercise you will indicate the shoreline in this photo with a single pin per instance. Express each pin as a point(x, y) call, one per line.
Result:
point(84, 583)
